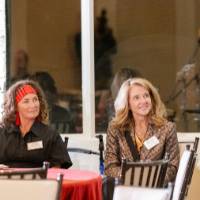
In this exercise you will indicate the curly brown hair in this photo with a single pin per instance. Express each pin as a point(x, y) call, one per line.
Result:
point(10, 106)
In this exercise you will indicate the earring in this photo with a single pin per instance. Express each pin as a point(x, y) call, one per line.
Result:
point(17, 120)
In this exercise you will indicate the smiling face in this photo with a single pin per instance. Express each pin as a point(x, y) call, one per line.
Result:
point(29, 107)
point(140, 102)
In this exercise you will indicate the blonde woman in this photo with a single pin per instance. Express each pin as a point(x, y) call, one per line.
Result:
point(25, 138)
point(140, 117)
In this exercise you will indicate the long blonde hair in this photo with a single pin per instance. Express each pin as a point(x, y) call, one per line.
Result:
point(123, 116)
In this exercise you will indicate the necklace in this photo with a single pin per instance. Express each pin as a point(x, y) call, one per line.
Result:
point(141, 134)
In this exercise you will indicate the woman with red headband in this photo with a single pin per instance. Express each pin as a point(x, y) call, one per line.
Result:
point(25, 138)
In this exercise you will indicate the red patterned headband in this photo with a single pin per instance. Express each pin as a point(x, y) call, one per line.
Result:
point(24, 90)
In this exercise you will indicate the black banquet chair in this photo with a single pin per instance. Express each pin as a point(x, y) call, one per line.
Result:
point(194, 143)
point(144, 173)
point(91, 153)
point(62, 126)
point(184, 174)
point(28, 173)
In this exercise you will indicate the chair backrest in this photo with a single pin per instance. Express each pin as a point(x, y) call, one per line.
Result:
point(144, 173)
point(25, 173)
point(45, 189)
point(193, 159)
point(78, 150)
point(192, 143)
point(196, 144)
point(66, 139)
point(61, 126)
point(80, 156)
point(142, 193)
point(184, 174)
point(190, 167)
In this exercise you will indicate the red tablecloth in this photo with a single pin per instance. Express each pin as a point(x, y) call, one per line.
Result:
point(78, 185)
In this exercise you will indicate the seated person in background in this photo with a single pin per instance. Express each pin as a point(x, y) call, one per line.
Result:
point(21, 61)
point(122, 75)
point(141, 114)
point(105, 107)
point(25, 139)
point(57, 114)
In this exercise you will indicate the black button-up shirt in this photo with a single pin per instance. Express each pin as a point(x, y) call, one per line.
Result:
point(40, 144)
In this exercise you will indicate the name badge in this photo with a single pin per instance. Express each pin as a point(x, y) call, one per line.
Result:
point(34, 145)
point(151, 142)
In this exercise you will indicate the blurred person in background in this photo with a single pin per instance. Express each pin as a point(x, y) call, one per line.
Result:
point(105, 107)
point(57, 113)
point(21, 60)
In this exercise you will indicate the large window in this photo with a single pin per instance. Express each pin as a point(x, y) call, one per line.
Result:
point(154, 39)
point(45, 47)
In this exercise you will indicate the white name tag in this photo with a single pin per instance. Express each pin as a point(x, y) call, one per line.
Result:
point(151, 142)
point(34, 145)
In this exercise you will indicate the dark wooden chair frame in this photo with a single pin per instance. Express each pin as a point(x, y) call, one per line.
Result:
point(159, 173)
point(194, 143)
point(61, 126)
point(60, 181)
point(189, 170)
point(34, 173)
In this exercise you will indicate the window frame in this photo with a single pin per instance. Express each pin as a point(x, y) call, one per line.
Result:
point(87, 51)
point(3, 49)
point(88, 91)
